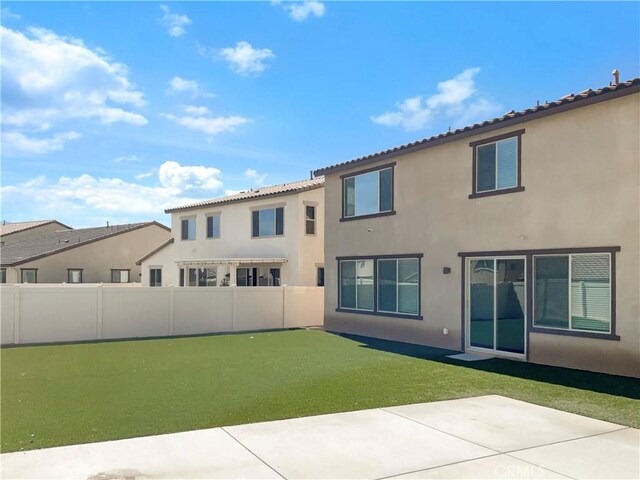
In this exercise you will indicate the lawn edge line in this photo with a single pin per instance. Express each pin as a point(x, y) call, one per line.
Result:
point(252, 453)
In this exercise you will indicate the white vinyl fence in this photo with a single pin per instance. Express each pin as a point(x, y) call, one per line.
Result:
point(62, 313)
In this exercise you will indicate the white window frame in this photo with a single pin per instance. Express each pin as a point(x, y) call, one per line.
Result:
point(213, 236)
point(189, 219)
point(155, 268)
point(570, 327)
point(312, 220)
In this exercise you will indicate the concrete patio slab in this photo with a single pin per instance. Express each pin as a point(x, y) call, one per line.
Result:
point(503, 424)
point(495, 467)
point(364, 444)
point(464, 438)
point(613, 455)
point(197, 454)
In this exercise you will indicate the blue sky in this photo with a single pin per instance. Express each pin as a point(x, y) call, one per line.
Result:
point(116, 110)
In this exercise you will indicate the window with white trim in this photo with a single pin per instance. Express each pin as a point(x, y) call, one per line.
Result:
point(213, 226)
point(310, 220)
point(573, 292)
point(188, 228)
point(155, 277)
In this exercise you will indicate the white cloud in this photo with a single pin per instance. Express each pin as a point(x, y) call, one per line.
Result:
point(255, 177)
point(7, 14)
point(173, 22)
point(456, 99)
point(300, 11)
point(232, 192)
point(245, 60)
point(209, 125)
point(127, 158)
point(194, 110)
point(148, 174)
point(17, 143)
point(180, 85)
point(175, 185)
point(49, 80)
point(199, 118)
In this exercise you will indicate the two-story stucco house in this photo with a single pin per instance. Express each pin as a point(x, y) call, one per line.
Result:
point(268, 236)
point(517, 237)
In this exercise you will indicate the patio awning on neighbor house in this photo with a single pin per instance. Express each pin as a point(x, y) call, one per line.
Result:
point(232, 265)
point(208, 262)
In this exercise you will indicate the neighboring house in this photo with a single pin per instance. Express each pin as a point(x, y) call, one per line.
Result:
point(11, 232)
point(268, 236)
point(517, 237)
point(86, 255)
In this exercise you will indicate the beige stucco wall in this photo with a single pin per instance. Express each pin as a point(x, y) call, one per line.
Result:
point(302, 251)
point(580, 170)
point(32, 232)
point(96, 259)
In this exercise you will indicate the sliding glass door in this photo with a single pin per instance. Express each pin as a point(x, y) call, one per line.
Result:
point(496, 305)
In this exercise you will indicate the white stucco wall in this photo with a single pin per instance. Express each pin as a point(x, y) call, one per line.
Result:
point(303, 252)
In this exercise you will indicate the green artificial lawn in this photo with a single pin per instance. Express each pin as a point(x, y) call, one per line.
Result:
point(69, 394)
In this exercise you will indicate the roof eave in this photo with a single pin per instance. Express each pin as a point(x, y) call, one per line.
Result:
point(80, 244)
point(242, 200)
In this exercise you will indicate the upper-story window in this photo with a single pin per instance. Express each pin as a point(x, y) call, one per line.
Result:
point(213, 226)
point(368, 193)
point(496, 165)
point(267, 222)
point(3, 275)
point(188, 228)
point(310, 220)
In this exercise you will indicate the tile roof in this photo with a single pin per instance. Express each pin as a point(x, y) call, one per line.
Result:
point(583, 98)
point(50, 243)
point(273, 190)
point(8, 228)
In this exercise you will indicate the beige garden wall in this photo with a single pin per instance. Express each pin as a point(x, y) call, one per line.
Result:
point(48, 313)
point(580, 170)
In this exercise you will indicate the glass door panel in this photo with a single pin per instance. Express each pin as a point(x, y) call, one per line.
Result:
point(481, 303)
point(510, 305)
